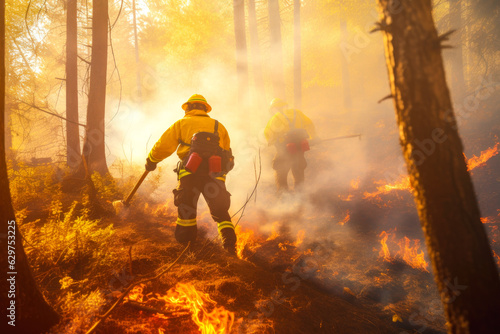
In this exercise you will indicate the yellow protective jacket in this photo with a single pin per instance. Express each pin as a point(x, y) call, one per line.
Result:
point(279, 125)
point(182, 131)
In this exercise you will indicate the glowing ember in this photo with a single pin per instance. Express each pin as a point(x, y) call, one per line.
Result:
point(496, 257)
point(403, 184)
point(136, 294)
point(346, 218)
point(486, 155)
point(355, 183)
point(487, 220)
point(217, 321)
point(408, 253)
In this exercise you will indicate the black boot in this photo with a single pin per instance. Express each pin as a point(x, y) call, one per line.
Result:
point(184, 234)
point(228, 240)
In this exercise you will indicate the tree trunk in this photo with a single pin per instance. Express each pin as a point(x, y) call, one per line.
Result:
point(137, 61)
point(93, 148)
point(297, 57)
point(22, 302)
point(73, 154)
point(346, 81)
point(255, 51)
point(241, 49)
point(458, 247)
point(456, 54)
point(276, 61)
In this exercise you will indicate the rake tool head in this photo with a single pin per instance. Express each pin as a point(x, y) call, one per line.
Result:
point(120, 207)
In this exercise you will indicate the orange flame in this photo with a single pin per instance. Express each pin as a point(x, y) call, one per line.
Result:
point(246, 240)
point(218, 321)
point(300, 238)
point(487, 220)
point(410, 254)
point(346, 218)
point(384, 252)
point(486, 155)
point(355, 183)
point(495, 255)
point(404, 184)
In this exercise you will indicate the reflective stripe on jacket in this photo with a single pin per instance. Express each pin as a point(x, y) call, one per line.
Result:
point(182, 131)
point(279, 125)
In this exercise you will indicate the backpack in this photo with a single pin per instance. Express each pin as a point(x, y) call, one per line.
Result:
point(206, 153)
point(296, 139)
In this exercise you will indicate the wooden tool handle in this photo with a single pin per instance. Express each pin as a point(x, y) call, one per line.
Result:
point(137, 185)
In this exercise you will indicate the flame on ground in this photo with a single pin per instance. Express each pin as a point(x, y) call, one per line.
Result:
point(412, 255)
point(246, 240)
point(346, 218)
point(403, 184)
point(219, 320)
point(355, 183)
point(496, 257)
point(488, 220)
point(486, 155)
point(185, 296)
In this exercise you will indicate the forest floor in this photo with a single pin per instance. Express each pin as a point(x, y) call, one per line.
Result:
point(263, 298)
point(326, 278)
point(313, 263)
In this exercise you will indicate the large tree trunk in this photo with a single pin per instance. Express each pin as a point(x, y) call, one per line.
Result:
point(297, 57)
point(255, 51)
point(456, 54)
point(22, 303)
point(241, 49)
point(346, 81)
point(458, 247)
point(73, 154)
point(93, 147)
point(276, 61)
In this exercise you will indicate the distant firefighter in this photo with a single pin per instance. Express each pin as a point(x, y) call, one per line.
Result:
point(203, 147)
point(289, 130)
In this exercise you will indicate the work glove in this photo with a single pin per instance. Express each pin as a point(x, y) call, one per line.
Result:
point(150, 165)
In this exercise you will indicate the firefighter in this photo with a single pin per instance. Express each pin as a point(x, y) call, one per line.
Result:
point(203, 147)
point(289, 130)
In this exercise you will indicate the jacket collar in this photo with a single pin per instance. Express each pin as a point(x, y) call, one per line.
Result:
point(196, 112)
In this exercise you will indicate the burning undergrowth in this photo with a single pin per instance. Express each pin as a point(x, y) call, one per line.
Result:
point(364, 243)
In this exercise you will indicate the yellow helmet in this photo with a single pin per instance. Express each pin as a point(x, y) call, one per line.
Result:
point(277, 103)
point(197, 98)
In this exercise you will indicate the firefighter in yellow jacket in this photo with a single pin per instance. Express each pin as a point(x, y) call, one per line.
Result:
point(289, 130)
point(203, 146)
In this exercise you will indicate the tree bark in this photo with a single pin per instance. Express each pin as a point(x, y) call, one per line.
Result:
point(241, 49)
point(30, 311)
point(73, 153)
point(276, 48)
point(458, 247)
point(255, 51)
point(456, 54)
point(93, 148)
point(297, 57)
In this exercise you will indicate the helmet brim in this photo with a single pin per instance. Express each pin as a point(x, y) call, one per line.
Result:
point(185, 105)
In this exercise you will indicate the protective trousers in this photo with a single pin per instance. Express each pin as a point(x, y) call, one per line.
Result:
point(214, 191)
point(284, 162)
